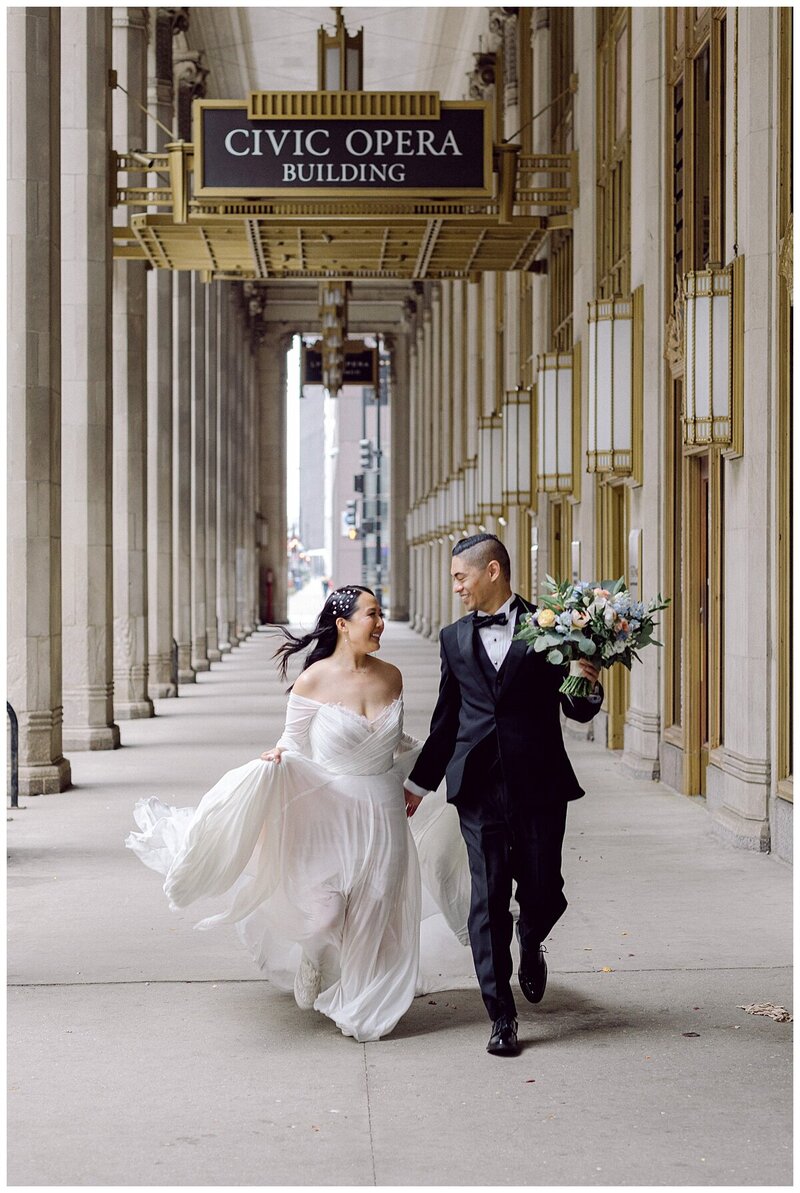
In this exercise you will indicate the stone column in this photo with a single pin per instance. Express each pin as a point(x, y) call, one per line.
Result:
point(399, 474)
point(643, 719)
point(197, 484)
point(213, 652)
point(181, 475)
point(234, 448)
point(459, 396)
point(162, 682)
point(474, 380)
point(129, 469)
point(238, 476)
point(738, 777)
point(34, 397)
point(251, 588)
point(223, 456)
point(271, 378)
point(426, 403)
point(86, 380)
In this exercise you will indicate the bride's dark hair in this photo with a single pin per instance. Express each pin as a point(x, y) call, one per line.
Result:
point(340, 603)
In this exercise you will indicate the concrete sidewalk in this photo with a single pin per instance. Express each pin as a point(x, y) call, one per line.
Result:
point(143, 1053)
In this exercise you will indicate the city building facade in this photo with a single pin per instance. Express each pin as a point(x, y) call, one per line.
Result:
point(611, 397)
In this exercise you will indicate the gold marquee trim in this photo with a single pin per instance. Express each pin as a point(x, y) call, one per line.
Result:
point(344, 105)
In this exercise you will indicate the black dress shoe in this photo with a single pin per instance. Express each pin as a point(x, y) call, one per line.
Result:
point(503, 1040)
point(533, 974)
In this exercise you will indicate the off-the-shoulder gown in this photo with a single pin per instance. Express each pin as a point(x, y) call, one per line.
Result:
point(314, 855)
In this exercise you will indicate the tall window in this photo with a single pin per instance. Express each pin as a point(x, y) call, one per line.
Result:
point(613, 152)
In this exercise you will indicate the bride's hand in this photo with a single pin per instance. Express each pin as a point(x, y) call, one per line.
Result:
point(273, 755)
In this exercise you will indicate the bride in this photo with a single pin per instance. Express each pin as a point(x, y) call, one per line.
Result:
point(310, 847)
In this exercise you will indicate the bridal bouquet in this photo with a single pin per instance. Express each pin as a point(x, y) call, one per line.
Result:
point(583, 620)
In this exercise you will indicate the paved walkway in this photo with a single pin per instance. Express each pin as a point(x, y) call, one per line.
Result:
point(143, 1053)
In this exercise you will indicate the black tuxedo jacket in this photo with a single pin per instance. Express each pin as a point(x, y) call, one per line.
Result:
point(521, 707)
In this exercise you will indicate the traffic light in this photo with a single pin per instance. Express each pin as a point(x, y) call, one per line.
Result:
point(349, 528)
point(365, 448)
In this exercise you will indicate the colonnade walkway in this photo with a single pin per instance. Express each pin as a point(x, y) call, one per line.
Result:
point(144, 1053)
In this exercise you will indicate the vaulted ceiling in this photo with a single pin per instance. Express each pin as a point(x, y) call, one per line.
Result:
point(271, 48)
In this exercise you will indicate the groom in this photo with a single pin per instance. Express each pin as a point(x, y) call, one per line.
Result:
point(496, 735)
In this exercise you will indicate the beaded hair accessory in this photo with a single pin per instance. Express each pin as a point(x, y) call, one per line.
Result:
point(341, 599)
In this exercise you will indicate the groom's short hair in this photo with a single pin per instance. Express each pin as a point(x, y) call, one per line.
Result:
point(484, 548)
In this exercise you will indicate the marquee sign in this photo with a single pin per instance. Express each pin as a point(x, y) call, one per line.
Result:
point(360, 365)
point(239, 153)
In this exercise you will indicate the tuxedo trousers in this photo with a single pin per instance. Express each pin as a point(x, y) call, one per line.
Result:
point(507, 844)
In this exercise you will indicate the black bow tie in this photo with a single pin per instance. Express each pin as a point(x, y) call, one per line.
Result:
point(481, 622)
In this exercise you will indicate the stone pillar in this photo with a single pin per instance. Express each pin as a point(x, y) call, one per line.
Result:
point(197, 484)
point(86, 380)
point(213, 651)
point(271, 379)
point(238, 476)
point(129, 469)
point(234, 450)
point(643, 719)
point(34, 397)
point(474, 382)
point(428, 411)
point(399, 474)
point(738, 777)
point(223, 457)
point(248, 455)
point(181, 475)
point(162, 682)
point(458, 380)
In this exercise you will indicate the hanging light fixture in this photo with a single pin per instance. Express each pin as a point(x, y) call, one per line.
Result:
point(340, 58)
point(333, 319)
point(610, 431)
point(708, 380)
point(490, 465)
point(554, 413)
point(517, 470)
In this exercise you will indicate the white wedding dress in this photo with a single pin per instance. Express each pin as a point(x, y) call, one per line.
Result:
point(313, 856)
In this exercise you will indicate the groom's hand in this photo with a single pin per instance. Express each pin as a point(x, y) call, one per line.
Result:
point(412, 801)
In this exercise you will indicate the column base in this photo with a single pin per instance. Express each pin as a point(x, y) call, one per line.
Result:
point(224, 648)
point(201, 665)
point(46, 779)
point(161, 691)
point(637, 767)
point(134, 710)
point(214, 656)
point(740, 832)
point(187, 677)
point(93, 737)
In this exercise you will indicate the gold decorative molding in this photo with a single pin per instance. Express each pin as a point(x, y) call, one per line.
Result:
point(674, 339)
point(785, 260)
point(344, 105)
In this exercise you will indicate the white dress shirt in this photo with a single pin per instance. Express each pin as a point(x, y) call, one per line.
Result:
point(496, 639)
